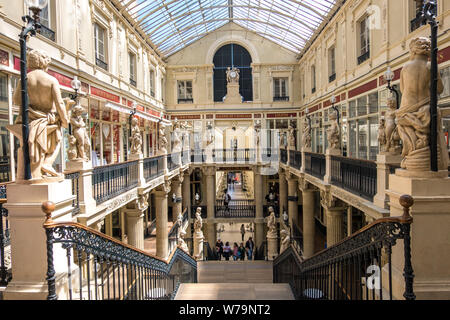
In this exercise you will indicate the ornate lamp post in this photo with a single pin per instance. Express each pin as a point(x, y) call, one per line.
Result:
point(428, 14)
point(76, 85)
point(388, 77)
point(30, 29)
point(132, 113)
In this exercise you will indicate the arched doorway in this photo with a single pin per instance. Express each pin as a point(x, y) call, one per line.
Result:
point(232, 55)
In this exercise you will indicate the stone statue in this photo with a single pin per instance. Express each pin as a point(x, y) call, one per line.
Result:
point(72, 151)
point(176, 137)
point(334, 132)
point(162, 141)
point(285, 240)
point(209, 134)
point(136, 138)
point(47, 115)
point(80, 134)
point(413, 116)
point(306, 137)
point(186, 128)
point(382, 135)
point(198, 223)
point(271, 224)
point(291, 137)
point(391, 133)
point(181, 243)
point(257, 132)
point(142, 202)
point(283, 139)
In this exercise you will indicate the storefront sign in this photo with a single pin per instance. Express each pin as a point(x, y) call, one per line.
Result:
point(104, 94)
point(233, 116)
point(281, 115)
point(186, 116)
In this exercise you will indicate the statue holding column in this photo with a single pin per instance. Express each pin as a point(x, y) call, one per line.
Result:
point(272, 241)
point(333, 132)
point(413, 116)
point(285, 240)
point(162, 141)
point(392, 142)
point(306, 137)
point(136, 138)
point(198, 235)
point(47, 115)
point(80, 135)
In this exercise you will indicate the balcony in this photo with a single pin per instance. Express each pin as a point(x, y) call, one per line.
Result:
point(364, 57)
point(332, 77)
point(313, 90)
point(235, 209)
point(47, 32)
point(295, 159)
point(315, 164)
point(284, 156)
point(281, 98)
point(133, 82)
point(101, 64)
point(153, 168)
point(185, 100)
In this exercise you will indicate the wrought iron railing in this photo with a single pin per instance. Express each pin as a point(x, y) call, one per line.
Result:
point(101, 64)
point(173, 161)
point(235, 209)
point(133, 82)
point(198, 156)
point(234, 155)
point(332, 77)
point(112, 180)
point(354, 175)
point(187, 100)
point(281, 98)
point(297, 238)
point(295, 159)
point(315, 164)
point(364, 57)
point(74, 177)
point(100, 267)
point(416, 23)
point(5, 248)
point(344, 270)
point(153, 167)
point(174, 231)
point(269, 154)
point(283, 156)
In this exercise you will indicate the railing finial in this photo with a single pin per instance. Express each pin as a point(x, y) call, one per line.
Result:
point(48, 207)
point(406, 201)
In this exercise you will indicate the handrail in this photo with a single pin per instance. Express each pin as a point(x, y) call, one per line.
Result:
point(144, 274)
point(340, 271)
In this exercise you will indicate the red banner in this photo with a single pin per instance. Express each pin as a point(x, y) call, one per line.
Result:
point(104, 94)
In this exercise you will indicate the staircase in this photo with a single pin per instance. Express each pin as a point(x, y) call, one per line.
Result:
point(234, 280)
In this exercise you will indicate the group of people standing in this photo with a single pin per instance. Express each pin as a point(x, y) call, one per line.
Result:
point(238, 252)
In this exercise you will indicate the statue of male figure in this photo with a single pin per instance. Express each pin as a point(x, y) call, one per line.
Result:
point(413, 116)
point(47, 114)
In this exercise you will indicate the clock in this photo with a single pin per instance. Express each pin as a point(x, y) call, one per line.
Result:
point(233, 74)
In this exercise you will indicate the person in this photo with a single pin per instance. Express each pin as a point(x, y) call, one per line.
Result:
point(249, 246)
point(227, 251)
point(235, 251)
point(219, 249)
point(241, 251)
point(242, 231)
point(226, 201)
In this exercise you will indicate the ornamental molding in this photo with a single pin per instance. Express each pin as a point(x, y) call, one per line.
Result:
point(120, 201)
point(326, 199)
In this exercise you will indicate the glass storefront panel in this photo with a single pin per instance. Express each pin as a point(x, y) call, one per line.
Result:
point(373, 102)
point(373, 138)
point(352, 139)
point(362, 105)
point(362, 138)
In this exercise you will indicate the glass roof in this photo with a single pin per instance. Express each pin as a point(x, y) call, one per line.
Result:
point(173, 24)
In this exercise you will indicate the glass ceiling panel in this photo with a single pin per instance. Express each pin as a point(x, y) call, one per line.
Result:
point(173, 24)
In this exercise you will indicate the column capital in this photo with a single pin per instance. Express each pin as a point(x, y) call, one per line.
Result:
point(209, 170)
point(165, 187)
point(305, 186)
point(331, 203)
point(141, 202)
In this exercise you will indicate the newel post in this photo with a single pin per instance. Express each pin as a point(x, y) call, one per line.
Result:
point(406, 201)
point(48, 207)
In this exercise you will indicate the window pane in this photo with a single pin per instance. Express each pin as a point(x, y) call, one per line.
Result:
point(373, 124)
point(362, 138)
point(362, 105)
point(373, 102)
point(352, 108)
point(352, 138)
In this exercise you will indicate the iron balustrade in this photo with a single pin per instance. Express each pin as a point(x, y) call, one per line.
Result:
point(315, 164)
point(5, 252)
point(269, 154)
point(153, 167)
point(173, 161)
point(112, 180)
point(74, 177)
point(100, 267)
point(133, 82)
point(234, 155)
point(174, 231)
point(281, 98)
point(47, 32)
point(284, 156)
point(354, 175)
point(345, 271)
point(295, 159)
point(101, 64)
point(198, 156)
point(297, 238)
point(364, 57)
point(235, 209)
point(332, 77)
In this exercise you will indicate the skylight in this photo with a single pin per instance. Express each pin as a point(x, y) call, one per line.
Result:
point(173, 24)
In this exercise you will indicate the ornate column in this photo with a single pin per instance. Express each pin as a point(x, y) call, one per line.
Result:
point(186, 195)
point(349, 220)
point(176, 189)
point(309, 226)
point(292, 199)
point(162, 241)
point(134, 214)
point(210, 173)
point(334, 217)
point(259, 217)
point(283, 190)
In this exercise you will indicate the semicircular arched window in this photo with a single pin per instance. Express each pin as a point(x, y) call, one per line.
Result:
point(232, 55)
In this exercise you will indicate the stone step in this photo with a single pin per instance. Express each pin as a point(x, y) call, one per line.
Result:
point(234, 291)
point(235, 271)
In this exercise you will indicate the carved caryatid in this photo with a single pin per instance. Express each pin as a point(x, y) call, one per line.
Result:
point(271, 224)
point(334, 132)
point(162, 141)
point(176, 137)
point(198, 223)
point(47, 113)
point(285, 240)
point(79, 133)
point(413, 116)
point(382, 135)
point(136, 138)
point(257, 132)
point(209, 134)
point(142, 202)
point(306, 137)
point(291, 138)
point(392, 142)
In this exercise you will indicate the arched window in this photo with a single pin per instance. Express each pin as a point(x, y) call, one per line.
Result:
point(232, 55)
